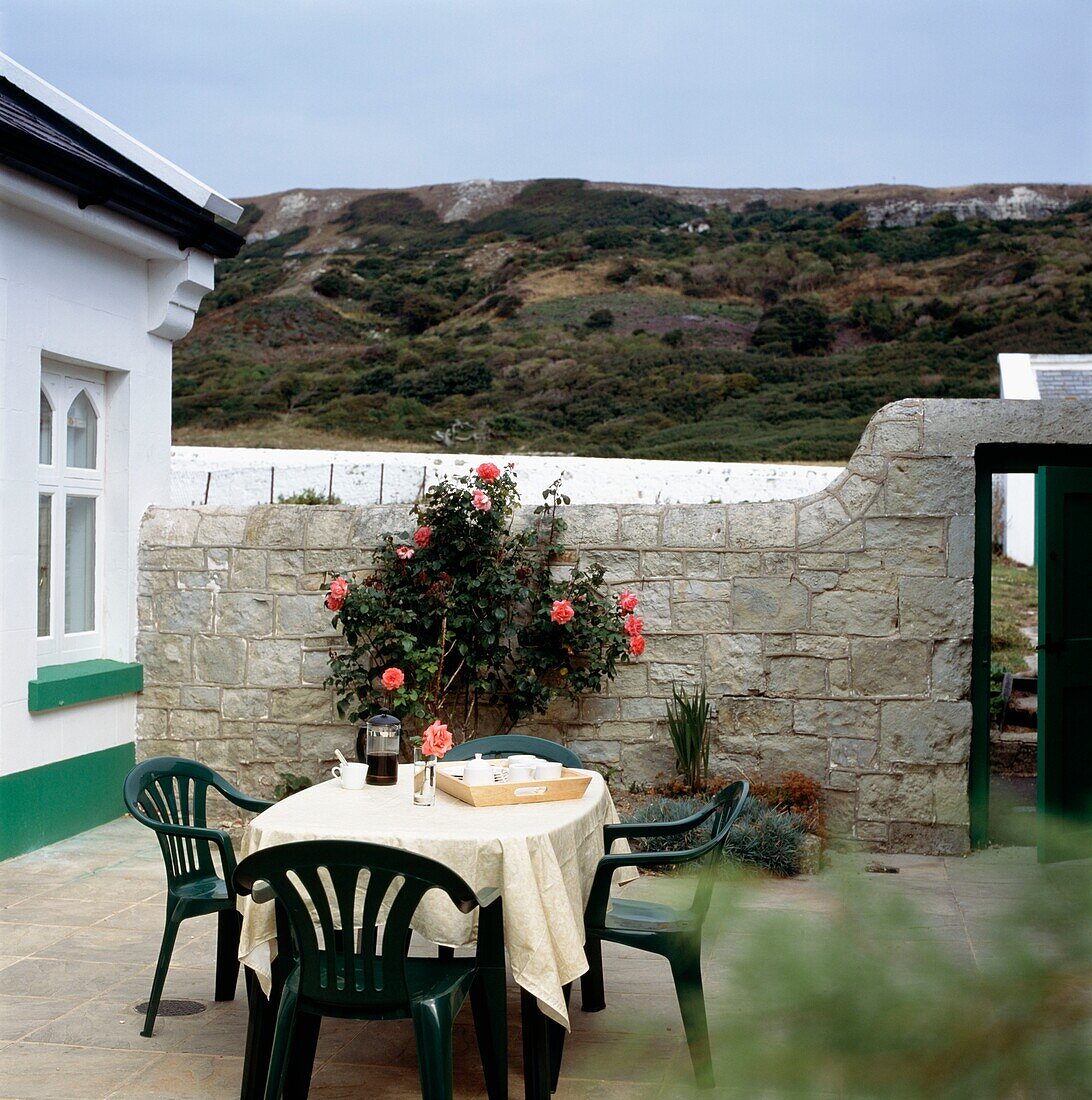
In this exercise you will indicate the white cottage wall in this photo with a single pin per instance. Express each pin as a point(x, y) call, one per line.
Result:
point(80, 289)
point(71, 299)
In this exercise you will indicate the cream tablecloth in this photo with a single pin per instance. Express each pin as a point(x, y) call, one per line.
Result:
point(542, 858)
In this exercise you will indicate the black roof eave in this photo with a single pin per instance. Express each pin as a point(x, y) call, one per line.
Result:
point(178, 218)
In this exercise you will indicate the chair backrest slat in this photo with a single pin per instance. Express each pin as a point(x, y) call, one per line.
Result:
point(318, 885)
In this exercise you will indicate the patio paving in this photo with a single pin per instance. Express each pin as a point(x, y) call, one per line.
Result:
point(80, 923)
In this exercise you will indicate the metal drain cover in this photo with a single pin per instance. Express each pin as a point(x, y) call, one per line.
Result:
point(172, 1008)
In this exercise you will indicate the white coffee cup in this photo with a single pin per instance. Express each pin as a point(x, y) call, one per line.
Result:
point(520, 773)
point(351, 775)
point(523, 759)
point(548, 769)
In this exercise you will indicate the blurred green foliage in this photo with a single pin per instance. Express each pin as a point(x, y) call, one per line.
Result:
point(402, 323)
point(875, 998)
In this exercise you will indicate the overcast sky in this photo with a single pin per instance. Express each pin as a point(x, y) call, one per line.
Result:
point(254, 97)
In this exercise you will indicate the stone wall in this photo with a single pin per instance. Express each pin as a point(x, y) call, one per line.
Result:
point(833, 632)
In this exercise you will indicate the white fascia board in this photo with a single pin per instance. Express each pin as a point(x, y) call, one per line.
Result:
point(1018, 381)
point(127, 146)
point(53, 204)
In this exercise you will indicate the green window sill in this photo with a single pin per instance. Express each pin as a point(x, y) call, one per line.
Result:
point(82, 682)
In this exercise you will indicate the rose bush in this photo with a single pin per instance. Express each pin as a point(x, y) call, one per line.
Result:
point(476, 617)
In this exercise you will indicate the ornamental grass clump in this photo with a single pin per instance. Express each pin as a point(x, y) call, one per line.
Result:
point(474, 615)
point(760, 837)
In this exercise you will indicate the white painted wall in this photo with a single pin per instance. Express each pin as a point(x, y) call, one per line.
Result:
point(1018, 515)
point(242, 476)
point(1018, 490)
point(87, 288)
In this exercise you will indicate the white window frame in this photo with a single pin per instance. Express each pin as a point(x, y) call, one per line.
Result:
point(62, 384)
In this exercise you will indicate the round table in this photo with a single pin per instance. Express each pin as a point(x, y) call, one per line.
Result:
point(542, 857)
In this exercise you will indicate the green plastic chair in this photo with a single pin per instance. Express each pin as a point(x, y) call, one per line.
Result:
point(168, 794)
point(344, 968)
point(661, 929)
point(505, 744)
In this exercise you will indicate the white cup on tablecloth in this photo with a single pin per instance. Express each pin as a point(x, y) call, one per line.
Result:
point(351, 776)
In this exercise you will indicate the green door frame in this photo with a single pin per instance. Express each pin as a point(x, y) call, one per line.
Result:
point(990, 459)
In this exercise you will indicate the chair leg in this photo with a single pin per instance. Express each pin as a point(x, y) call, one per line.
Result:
point(229, 925)
point(166, 947)
point(592, 994)
point(282, 1039)
point(432, 1026)
point(686, 970)
point(489, 1003)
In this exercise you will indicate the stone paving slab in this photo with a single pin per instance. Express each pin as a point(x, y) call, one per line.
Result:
point(79, 935)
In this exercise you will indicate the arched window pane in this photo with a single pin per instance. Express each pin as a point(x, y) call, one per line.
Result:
point(82, 432)
point(79, 564)
point(45, 432)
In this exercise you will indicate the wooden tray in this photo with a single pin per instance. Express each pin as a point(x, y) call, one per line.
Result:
point(571, 785)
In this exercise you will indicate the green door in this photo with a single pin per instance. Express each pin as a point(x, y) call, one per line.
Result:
point(1063, 497)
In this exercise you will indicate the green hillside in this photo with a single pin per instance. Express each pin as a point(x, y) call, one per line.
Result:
point(589, 320)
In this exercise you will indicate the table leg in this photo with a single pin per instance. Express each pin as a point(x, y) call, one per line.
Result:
point(555, 1037)
point(301, 1058)
point(259, 1037)
point(536, 1048)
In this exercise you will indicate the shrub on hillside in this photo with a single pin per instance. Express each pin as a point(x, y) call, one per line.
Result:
point(797, 325)
point(599, 319)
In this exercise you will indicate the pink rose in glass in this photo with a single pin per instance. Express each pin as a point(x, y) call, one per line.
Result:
point(393, 679)
point(404, 553)
point(633, 625)
point(562, 612)
point(436, 740)
point(488, 471)
point(627, 601)
point(481, 500)
point(637, 645)
point(422, 536)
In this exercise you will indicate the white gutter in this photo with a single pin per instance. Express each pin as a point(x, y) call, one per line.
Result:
point(127, 146)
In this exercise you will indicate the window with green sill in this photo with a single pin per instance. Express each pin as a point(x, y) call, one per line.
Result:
point(69, 685)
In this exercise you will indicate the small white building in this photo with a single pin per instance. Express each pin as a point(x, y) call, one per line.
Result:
point(106, 250)
point(1032, 378)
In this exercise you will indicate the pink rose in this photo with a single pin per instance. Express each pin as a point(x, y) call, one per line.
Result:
point(633, 625)
point(488, 471)
point(339, 589)
point(627, 601)
point(393, 679)
point(636, 645)
point(404, 553)
point(562, 612)
point(422, 536)
point(436, 740)
point(482, 501)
